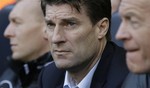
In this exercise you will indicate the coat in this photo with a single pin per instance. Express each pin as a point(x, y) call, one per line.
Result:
point(110, 72)
point(23, 75)
point(137, 81)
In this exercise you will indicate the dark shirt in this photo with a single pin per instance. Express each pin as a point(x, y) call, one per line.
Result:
point(24, 75)
point(137, 81)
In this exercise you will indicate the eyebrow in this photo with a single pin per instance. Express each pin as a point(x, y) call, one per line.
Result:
point(64, 20)
point(49, 21)
point(13, 17)
point(71, 19)
point(130, 14)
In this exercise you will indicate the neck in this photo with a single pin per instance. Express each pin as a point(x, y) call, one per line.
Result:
point(35, 55)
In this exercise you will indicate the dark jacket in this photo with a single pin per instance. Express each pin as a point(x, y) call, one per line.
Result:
point(110, 72)
point(24, 75)
point(137, 81)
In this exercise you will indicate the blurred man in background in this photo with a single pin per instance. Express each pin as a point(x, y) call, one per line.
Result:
point(30, 51)
point(135, 33)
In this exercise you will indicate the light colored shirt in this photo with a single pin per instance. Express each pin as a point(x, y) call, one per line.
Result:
point(86, 81)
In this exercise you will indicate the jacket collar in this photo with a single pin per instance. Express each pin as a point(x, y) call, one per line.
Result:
point(100, 75)
point(29, 70)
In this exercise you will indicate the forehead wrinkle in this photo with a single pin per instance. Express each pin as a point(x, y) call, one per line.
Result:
point(127, 6)
point(141, 4)
point(54, 11)
point(57, 15)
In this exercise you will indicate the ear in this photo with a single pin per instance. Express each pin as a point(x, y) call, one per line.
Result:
point(102, 26)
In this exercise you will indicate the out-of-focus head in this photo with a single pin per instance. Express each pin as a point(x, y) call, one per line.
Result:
point(135, 33)
point(26, 31)
point(115, 5)
point(77, 30)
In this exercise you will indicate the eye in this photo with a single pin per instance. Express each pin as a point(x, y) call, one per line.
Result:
point(134, 22)
point(15, 21)
point(70, 25)
point(50, 26)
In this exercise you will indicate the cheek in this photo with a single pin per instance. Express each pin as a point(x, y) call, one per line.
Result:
point(79, 42)
point(139, 63)
point(146, 53)
point(144, 44)
point(85, 45)
point(30, 39)
point(49, 36)
point(144, 57)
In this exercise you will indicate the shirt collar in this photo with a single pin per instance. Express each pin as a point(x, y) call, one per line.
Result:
point(85, 82)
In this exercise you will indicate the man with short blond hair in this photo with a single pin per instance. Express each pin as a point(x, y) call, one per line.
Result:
point(135, 33)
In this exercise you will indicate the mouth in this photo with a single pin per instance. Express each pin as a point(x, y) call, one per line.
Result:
point(131, 48)
point(132, 54)
point(60, 52)
point(13, 45)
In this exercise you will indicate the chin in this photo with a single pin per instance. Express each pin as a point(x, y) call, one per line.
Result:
point(16, 56)
point(135, 71)
point(138, 69)
point(60, 65)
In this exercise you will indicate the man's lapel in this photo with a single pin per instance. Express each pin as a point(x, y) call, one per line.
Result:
point(100, 76)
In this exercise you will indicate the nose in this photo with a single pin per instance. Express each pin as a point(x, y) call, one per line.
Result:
point(122, 33)
point(9, 31)
point(58, 35)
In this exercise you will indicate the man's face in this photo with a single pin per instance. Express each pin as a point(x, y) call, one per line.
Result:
point(135, 33)
point(74, 40)
point(25, 30)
